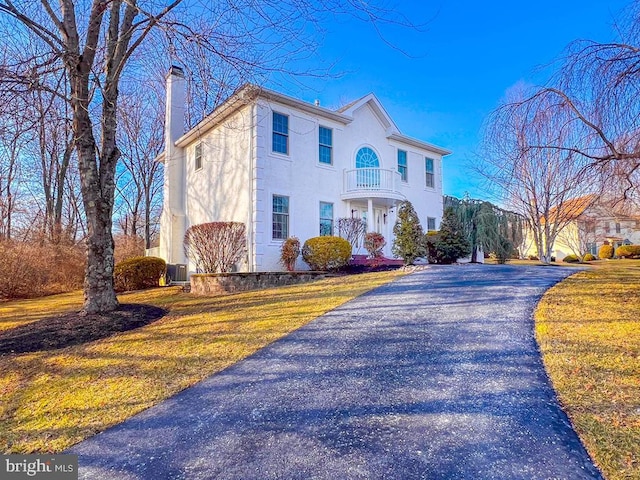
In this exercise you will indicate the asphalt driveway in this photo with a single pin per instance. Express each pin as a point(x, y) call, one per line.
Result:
point(434, 376)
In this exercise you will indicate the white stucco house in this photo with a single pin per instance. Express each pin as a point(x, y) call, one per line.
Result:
point(285, 167)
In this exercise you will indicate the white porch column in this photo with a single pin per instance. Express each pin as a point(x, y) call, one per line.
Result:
point(370, 220)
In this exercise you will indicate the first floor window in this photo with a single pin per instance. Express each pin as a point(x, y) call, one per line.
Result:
point(429, 172)
point(280, 219)
point(402, 165)
point(326, 218)
point(280, 140)
point(618, 227)
point(198, 156)
point(431, 223)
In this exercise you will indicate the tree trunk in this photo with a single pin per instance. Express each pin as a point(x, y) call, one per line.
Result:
point(98, 186)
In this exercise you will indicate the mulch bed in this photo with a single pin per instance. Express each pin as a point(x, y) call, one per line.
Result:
point(72, 328)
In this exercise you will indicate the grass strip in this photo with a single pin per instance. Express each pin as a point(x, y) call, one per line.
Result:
point(588, 329)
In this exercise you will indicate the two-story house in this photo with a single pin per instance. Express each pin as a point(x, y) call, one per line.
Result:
point(285, 167)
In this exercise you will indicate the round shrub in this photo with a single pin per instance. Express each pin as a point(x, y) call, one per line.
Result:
point(326, 253)
point(588, 257)
point(137, 273)
point(606, 251)
point(289, 253)
point(571, 259)
point(628, 251)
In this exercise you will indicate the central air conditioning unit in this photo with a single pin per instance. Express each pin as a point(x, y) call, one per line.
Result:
point(176, 273)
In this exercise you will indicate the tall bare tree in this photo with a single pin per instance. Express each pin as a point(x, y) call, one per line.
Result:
point(97, 42)
point(537, 183)
point(597, 90)
point(140, 177)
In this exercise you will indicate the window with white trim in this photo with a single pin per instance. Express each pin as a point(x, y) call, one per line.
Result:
point(197, 156)
point(431, 224)
point(402, 165)
point(280, 217)
point(429, 172)
point(326, 219)
point(280, 136)
point(325, 145)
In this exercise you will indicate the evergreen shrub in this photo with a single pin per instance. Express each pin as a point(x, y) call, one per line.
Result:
point(628, 251)
point(138, 273)
point(326, 253)
point(408, 242)
point(606, 251)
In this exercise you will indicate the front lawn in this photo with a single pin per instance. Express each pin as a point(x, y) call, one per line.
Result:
point(588, 328)
point(53, 399)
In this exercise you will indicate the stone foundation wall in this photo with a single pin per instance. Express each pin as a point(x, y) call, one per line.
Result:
point(221, 283)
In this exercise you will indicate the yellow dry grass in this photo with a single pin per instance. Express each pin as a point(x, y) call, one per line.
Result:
point(53, 399)
point(588, 328)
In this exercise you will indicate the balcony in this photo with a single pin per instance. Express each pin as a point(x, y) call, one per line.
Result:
point(372, 183)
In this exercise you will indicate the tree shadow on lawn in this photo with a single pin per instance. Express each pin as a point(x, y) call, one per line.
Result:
point(59, 331)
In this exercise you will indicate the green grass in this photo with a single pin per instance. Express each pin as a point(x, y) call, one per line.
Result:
point(54, 399)
point(588, 328)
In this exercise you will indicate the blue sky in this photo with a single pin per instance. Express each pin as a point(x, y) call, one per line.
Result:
point(461, 65)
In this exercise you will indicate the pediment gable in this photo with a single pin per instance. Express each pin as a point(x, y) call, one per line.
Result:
point(371, 102)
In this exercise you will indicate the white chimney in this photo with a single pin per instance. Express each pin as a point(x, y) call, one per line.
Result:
point(173, 223)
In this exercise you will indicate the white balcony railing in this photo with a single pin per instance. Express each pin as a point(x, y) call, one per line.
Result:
point(372, 180)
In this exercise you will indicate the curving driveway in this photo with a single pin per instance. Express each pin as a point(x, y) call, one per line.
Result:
point(434, 376)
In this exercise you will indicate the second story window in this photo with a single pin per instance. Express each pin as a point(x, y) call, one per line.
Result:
point(618, 229)
point(280, 140)
point(431, 224)
point(325, 145)
point(402, 165)
point(429, 173)
point(198, 156)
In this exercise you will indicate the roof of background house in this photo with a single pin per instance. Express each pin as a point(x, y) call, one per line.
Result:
point(572, 208)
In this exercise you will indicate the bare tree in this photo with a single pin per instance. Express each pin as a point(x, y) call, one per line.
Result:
point(98, 42)
point(14, 135)
point(352, 230)
point(139, 183)
point(597, 91)
point(537, 183)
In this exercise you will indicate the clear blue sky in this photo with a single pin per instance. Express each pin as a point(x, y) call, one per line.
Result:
point(461, 66)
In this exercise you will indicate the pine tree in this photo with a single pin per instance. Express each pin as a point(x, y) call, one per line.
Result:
point(452, 242)
point(408, 243)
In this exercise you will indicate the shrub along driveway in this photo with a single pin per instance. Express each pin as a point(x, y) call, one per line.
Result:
point(436, 375)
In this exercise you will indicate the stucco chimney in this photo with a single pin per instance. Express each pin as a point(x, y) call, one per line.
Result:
point(173, 221)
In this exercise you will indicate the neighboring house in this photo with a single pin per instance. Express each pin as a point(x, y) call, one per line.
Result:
point(285, 167)
point(594, 222)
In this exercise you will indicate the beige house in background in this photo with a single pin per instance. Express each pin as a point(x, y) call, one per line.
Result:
point(595, 222)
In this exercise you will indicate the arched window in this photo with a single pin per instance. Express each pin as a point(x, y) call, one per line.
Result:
point(367, 158)
point(367, 166)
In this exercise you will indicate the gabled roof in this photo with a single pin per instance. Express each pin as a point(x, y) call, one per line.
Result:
point(246, 94)
point(372, 101)
point(249, 93)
